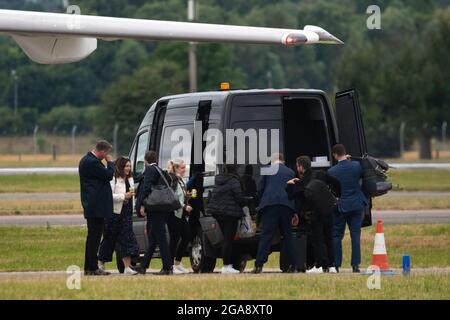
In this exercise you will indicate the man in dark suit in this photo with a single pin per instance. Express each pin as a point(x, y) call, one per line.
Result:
point(96, 198)
point(351, 205)
point(277, 211)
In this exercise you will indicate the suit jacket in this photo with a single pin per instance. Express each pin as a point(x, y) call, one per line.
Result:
point(95, 190)
point(349, 174)
point(272, 188)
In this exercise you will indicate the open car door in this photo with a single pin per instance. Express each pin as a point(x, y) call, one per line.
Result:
point(351, 132)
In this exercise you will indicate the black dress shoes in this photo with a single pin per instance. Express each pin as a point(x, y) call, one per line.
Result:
point(356, 269)
point(257, 270)
point(165, 272)
point(292, 269)
point(141, 270)
point(98, 272)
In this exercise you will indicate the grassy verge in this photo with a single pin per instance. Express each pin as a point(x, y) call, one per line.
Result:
point(407, 180)
point(40, 160)
point(39, 207)
point(37, 248)
point(266, 286)
point(411, 203)
point(421, 180)
point(39, 183)
point(60, 207)
point(9, 207)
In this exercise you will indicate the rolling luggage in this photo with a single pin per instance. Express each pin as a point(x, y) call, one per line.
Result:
point(300, 251)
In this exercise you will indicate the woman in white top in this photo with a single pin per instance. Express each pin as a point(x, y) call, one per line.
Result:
point(118, 234)
point(178, 221)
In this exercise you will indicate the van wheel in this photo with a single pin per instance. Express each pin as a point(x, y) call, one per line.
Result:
point(120, 265)
point(199, 262)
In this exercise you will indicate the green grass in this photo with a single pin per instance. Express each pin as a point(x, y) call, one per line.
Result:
point(55, 248)
point(421, 180)
point(411, 203)
point(39, 183)
point(39, 207)
point(265, 286)
point(407, 180)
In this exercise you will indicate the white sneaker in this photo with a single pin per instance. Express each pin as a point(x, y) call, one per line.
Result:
point(101, 266)
point(229, 270)
point(315, 270)
point(180, 268)
point(129, 271)
point(176, 270)
point(332, 270)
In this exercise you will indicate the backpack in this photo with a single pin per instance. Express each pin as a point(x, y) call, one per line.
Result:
point(319, 195)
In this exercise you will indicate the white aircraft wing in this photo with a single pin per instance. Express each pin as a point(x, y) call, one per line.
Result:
point(52, 38)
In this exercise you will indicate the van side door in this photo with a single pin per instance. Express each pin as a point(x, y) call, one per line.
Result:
point(351, 132)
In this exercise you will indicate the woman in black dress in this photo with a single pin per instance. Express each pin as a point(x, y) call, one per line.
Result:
point(118, 234)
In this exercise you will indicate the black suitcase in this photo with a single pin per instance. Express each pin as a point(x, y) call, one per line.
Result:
point(300, 250)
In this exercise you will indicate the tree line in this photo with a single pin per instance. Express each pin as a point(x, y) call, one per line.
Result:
point(401, 71)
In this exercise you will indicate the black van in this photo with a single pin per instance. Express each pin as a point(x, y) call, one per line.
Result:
point(307, 126)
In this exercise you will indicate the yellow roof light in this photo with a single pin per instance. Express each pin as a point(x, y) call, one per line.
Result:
point(225, 86)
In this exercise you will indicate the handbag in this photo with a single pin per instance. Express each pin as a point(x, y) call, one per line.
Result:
point(162, 198)
point(245, 228)
point(212, 231)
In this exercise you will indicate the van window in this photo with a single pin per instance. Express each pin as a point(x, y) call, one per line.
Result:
point(176, 144)
point(142, 145)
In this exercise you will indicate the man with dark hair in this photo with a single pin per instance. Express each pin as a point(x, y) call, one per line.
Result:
point(339, 150)
point(150, 157)
point(321, 217)
point(277, 211)
point(351, 205)
point(96, 198)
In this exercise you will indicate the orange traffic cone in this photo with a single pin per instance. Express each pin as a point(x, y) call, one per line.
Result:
point(379, 249)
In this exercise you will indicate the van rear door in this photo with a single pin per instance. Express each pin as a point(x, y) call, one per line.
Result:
point(351, 132)
point(350, 124)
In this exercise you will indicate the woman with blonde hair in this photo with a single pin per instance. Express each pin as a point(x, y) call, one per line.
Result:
point(178, 221)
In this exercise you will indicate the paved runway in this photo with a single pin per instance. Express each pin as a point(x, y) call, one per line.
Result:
point(388, 217)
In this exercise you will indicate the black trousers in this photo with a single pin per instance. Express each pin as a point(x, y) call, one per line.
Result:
point(273, 217)
point(322, 241)
point(180, 236)
point(94, 236)
point(228, 225)
point(156, 232)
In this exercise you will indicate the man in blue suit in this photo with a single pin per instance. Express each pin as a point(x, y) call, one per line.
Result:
point(351, 205)
point(96, 198)
point(277, 211)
